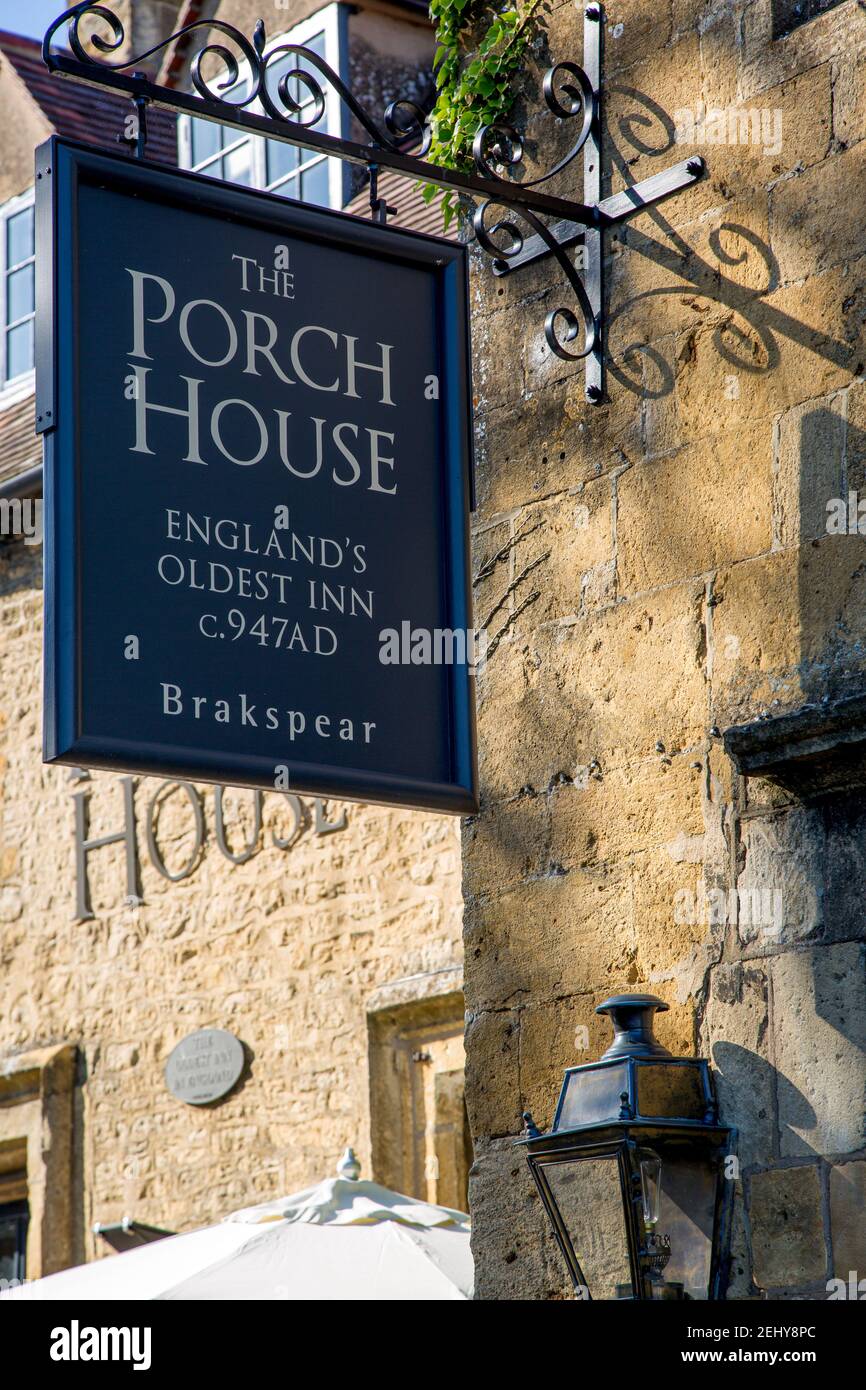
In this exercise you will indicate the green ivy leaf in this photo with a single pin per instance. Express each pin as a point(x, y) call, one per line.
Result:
point(478, 56)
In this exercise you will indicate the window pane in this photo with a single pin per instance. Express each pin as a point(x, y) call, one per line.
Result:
point(592, 1096)
point(286, 62)
point(19, 237)
point(664, 1090)
point(282, 160)
point(13, 1229)
point(235, 95)
point(314, 184)
point(205, 140)
point(19, 293)
point(688, 1203)
point(275, 70)
point(19, 349)
point(237, 164)
point(587, 1192)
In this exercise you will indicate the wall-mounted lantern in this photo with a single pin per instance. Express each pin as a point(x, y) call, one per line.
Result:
point(633, 1174)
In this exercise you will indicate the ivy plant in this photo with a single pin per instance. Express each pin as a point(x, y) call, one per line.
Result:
point(479, 49)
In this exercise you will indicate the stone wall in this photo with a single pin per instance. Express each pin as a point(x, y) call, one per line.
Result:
point(309, 951)
point(294, 951)
point(653, 571)
point(390, 49)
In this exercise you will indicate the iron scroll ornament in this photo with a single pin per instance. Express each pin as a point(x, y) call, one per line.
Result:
point(240, 95)
point(234, 90)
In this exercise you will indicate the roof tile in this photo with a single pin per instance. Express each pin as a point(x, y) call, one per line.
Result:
point(90, 114)
point(409, 209)
point(20, 446)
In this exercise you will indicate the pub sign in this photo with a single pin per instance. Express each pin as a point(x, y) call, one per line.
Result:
point(257, 486)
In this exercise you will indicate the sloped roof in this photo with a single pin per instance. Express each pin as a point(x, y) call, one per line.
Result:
point(20, 446)
point(90, 114)
point(410, 211)
point(175, 64)
point(96, 118)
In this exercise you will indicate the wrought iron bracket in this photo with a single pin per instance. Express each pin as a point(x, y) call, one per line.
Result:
point(288, 107)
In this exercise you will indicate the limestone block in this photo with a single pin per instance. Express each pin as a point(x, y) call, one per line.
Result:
point(763, 349)
point(566, 1033)
point(740, 1284)
point(787, 1227)
point(765, 63)
point(809, 469)
point(845, 823)
point(735, 1038)
point(816, 596)
point(805, 239)
point(819, 1037)
point(547, 442)
point(608, 686)
point(506, 844)
point(640, 132)
point(566, 539)
point(670, 923)
point(674, 107)
point(849, 98)
point(557, 936)
point(656, 289)
point(492, 1086)
point(490, 562)
point(702, 508)
point(847, 1224)
point(605, 814)
point(493, 343)
point(780, 890)
point(516, 1255)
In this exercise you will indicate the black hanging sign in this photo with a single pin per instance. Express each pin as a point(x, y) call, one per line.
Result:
point(258, 472)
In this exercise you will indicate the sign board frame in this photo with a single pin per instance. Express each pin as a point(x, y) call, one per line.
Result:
point(63, 169)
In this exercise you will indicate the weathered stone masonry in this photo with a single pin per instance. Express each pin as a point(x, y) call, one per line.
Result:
point(334, 957)
point(657, 570)
point(295, 951)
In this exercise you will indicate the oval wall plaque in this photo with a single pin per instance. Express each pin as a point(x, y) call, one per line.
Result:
point(204, 1066)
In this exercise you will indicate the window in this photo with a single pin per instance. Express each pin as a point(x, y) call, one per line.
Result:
point(223, 153)
point(14, 1217)
point(40, 1219)
point(420, 1132)
point(301, 174)
point(17, 289)
point(790, 14)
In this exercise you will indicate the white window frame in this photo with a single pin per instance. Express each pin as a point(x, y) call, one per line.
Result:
point(332, 20)
point(17, 387)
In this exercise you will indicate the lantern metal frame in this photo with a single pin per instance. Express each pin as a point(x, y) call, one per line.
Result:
point(623, 1138)
point(555, 225)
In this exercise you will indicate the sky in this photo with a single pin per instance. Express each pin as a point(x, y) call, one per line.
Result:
point(30, 16)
